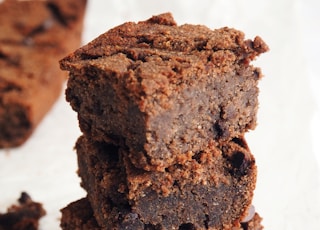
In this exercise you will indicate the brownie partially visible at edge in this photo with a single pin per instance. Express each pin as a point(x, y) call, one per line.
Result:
point(211, 189)
point(34, 36)
point(160, 89)
point(78, 215)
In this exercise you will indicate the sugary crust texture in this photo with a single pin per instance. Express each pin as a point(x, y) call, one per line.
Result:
point(198, 191)
point(78, 215)
point(157, 88)
point(30, 46)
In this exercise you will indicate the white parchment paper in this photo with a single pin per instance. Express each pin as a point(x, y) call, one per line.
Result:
point(285, 143)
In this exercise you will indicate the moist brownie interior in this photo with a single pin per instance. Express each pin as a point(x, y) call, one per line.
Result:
point(79, 215)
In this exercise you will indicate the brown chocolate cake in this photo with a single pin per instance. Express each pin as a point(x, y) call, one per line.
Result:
point(163, 110)
point(78, 215)
point(164, 90)
point(24, 216)
point(211, 189)
point(34, 36)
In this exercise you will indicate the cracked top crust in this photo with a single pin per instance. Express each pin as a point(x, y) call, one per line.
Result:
point(190, 39)
point(138, 49)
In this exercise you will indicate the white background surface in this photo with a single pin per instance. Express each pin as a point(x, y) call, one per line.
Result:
point(285, 143)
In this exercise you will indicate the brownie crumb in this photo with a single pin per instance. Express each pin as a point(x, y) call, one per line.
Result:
point(22, 216)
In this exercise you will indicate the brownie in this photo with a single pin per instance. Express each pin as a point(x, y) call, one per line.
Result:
point(164, 90)
point(31, 44)
point(212, 188)
point(78, 215)
point(24, 216)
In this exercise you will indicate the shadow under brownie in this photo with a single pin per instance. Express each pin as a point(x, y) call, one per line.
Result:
point(211, 189)
point(160, 89)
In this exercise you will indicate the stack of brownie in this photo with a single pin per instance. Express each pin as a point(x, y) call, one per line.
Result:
point(163, 110)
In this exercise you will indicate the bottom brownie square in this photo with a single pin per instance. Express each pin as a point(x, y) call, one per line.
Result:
point(210, 189)
point(78, 215)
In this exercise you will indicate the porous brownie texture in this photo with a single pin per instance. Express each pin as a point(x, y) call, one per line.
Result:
point(34, 36)
point(211, 189)
point(164, 90)
point(78, 215)
point(23, 216)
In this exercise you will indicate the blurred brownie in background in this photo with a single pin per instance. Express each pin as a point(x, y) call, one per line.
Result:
point(34, 36)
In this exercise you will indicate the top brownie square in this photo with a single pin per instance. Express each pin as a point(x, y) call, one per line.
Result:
point(164, 90)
